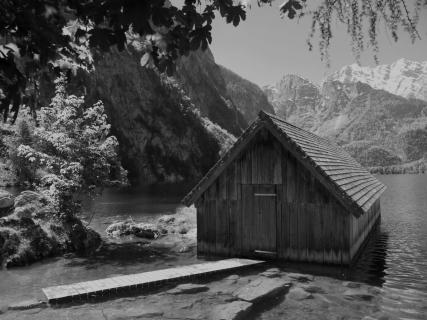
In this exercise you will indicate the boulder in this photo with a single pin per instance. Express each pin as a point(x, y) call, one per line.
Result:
point(166, 219)
point(230, 311)
point(29, 197)
point(25, 211)
point(261, 288)
point(83, 239)
point(183, 229)
point(298, 294)
point(141, 230)
point(27, 304)
point(184, 249)
point(6, 200)
point(188, 288)
point(28, 204)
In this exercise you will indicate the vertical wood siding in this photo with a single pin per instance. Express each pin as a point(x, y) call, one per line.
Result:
point(308, 223)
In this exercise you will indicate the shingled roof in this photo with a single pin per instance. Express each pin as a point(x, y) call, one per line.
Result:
point(352, 184)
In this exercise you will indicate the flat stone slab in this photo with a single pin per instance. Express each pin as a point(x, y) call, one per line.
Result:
point(301, 277)
point(357, 294)
point(298, 294)
point(188, 288)
point(27, 304)
point(260, 289)
point(132, 313)
point(230, 311)
point(313, 289)
point(350, 284)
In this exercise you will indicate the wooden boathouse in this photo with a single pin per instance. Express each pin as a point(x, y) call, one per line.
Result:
point(285, 193)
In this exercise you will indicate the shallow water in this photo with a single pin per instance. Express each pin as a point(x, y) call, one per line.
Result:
point(394, 260)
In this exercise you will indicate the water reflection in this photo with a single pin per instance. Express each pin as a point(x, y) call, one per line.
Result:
point(372, 264)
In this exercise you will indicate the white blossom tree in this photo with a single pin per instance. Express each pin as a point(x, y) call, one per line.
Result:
point(73, 149)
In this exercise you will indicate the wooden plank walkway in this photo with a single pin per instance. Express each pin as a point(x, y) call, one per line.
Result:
point(142, 280)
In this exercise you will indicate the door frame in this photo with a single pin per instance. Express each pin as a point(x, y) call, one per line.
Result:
point(247, 248)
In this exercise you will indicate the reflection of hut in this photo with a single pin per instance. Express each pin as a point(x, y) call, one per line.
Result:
point(285, 193)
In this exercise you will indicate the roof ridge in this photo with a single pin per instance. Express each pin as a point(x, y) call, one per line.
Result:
point(263, 114)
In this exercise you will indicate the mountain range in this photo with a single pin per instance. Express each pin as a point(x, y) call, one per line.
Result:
point(378, 114)
point(173, 129)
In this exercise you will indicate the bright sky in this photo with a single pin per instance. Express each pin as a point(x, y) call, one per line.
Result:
point(265, 47)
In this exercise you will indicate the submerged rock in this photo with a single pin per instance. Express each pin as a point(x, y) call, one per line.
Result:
point(230, 311)
point(260, 289)
point(188, 288)
point(137, 312)
point(358, 294)
point(27, 304)
point(350, 284)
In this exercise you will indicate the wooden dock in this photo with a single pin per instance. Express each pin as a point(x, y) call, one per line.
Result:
point(83, 290)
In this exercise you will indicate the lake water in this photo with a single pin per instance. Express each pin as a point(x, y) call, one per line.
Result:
point(394, 260)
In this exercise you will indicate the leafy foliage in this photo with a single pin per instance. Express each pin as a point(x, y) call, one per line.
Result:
point(72, 149)
point(362, 20)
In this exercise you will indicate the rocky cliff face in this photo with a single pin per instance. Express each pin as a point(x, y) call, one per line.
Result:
point(162, 139)
point(294, 98)
point(375, 126)
point(247, 96)
point(201, 78)
point(170, 129)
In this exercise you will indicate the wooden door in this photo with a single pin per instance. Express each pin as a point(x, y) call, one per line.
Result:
point(259, 218)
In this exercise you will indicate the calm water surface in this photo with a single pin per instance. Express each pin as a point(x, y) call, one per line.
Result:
point(395, 258)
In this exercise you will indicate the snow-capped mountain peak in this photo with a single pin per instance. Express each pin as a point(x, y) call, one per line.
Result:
point(403, 77)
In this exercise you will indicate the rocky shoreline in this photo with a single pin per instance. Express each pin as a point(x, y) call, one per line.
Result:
point(31, 231)
point(261, 293)
point(175, 232)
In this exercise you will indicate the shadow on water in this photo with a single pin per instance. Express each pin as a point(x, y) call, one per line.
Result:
point(371, 266)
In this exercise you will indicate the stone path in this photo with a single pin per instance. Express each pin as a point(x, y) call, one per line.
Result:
point(142, 280)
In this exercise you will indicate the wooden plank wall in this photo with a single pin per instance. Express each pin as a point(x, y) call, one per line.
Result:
point(311, 224)
point(361, 227)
